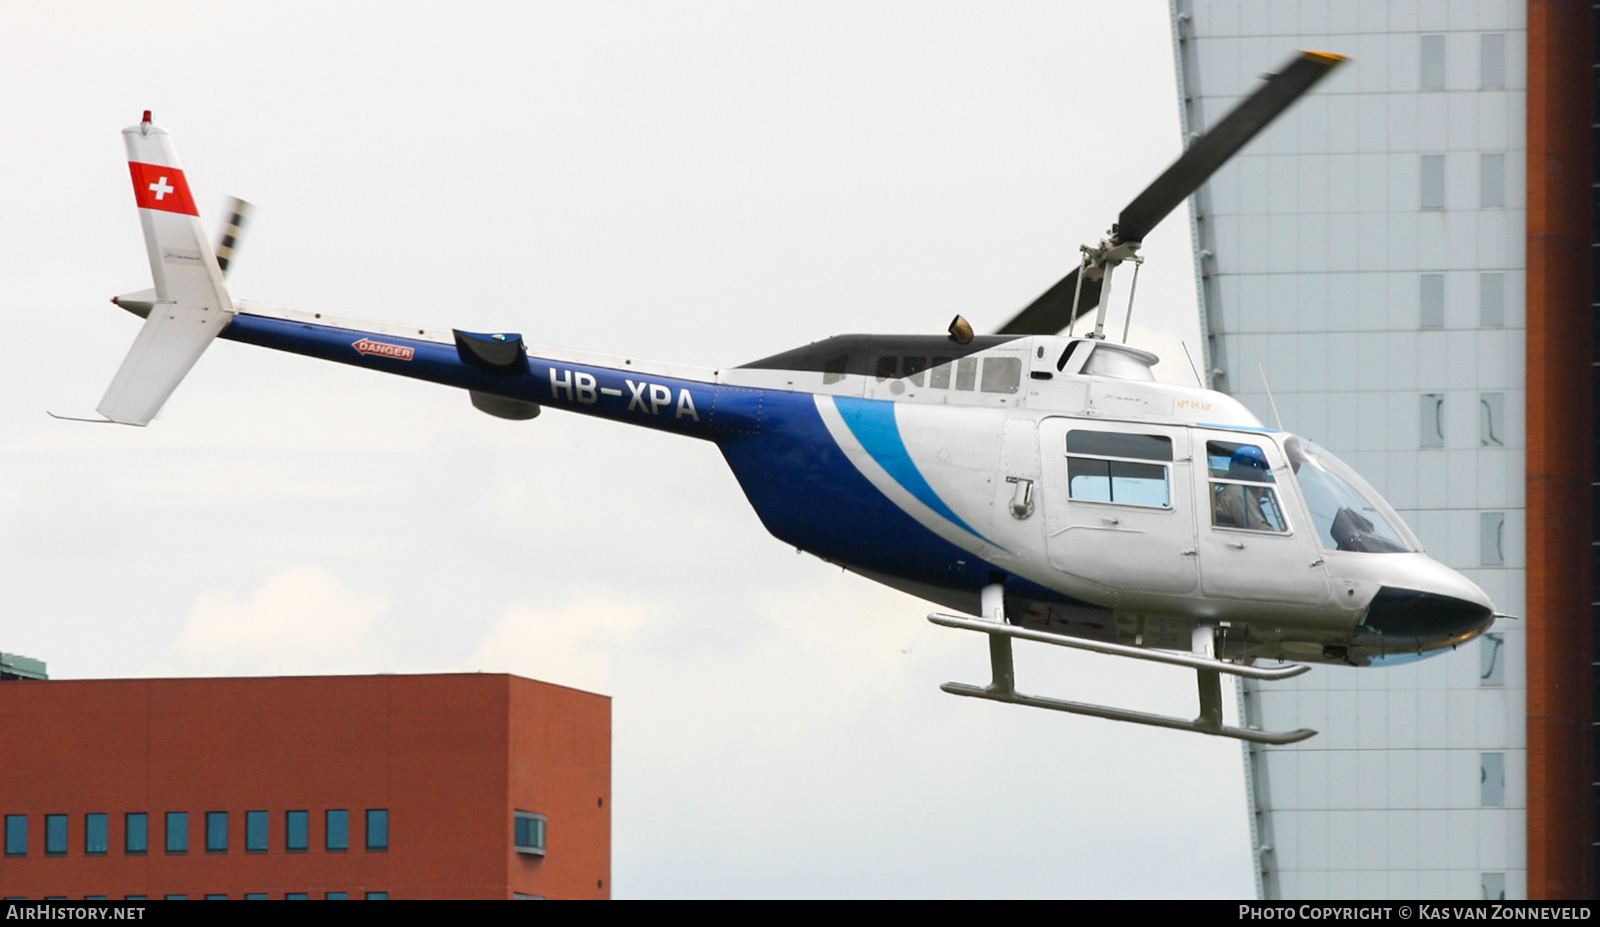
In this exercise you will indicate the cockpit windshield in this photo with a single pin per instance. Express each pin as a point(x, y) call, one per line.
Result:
point(1348, 513)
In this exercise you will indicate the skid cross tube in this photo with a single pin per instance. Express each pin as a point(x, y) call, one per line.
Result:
point(1209, 670)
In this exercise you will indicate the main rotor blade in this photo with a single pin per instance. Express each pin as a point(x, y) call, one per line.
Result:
point(1213, 149)
point(1052, 311)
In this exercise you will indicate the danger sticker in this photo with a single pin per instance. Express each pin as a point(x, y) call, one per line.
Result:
point(396, 351)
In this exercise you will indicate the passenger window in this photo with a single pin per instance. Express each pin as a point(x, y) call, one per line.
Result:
point(967, 373)
point(1238, 498)
point(833, 370)
point(1002, 374)
point(1120, 470)
point(939, 376)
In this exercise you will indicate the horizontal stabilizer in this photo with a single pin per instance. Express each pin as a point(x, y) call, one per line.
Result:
point(172, 339)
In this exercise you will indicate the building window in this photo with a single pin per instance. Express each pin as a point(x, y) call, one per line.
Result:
point(1492, 419)
point(16, 835)
point(1492, 779)
point(1492, 300)
point(216, 831)
point(1432, 77)
point(1492, 660)
point(1491, 538)
point(1430, 300)
point(1432, 178)
point(1432, 419)
point(337, 896)
point(1492, 60)
point(297, 826)
point(255, 831)
point(96, 834)
point(177, 831)
point(55, 835)
point(295, 896)
point(377, 829)
point(529, 835)
point(176, 897)
point(255, 896)
point(377, 896)
point(217, 897)
point(1491, 181)
point(136, 833)
point(338, 829)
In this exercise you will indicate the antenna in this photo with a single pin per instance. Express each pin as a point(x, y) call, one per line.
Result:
point(1269, 395)
point(1192, 368)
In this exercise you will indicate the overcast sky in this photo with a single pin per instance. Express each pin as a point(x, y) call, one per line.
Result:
point(699, 182)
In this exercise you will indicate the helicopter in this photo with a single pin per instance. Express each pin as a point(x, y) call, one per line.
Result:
point(1042, 486)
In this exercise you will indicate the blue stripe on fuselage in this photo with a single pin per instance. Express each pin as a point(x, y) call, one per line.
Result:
point(873, 423)
point(809, 494)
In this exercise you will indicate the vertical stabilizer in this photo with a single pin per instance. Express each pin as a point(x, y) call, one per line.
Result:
point(192, 302)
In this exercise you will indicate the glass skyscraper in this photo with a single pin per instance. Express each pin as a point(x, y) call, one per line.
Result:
point(1364, 271)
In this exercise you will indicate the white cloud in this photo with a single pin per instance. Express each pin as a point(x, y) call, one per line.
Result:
point(301, 620)
point(577, 645)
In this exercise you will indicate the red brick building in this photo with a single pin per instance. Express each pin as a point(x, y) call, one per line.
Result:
point(454, 786)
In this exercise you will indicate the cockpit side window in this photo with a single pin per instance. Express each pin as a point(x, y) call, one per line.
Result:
point(888, 368)
point(834, 369)
point(1122, 470)
point(1239, 498)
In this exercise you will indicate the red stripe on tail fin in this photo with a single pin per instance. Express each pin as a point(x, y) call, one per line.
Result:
point(164, 188)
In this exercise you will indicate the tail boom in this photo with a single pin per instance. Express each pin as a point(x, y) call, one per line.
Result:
point(667, 397)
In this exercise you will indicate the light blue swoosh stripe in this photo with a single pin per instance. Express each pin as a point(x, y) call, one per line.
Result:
point(872, 422)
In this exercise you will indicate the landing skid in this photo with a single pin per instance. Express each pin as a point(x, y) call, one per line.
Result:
point(1207, 668)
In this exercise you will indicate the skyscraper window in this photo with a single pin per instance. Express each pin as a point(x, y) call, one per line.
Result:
point(1432, 77)
point(1432, 179)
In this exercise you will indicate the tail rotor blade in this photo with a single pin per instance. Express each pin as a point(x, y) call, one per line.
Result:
point(238, 216)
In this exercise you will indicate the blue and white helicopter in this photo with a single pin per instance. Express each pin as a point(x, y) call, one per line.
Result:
point(1047, 484)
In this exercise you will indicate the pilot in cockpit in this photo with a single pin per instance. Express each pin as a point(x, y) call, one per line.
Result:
point(1246, 504)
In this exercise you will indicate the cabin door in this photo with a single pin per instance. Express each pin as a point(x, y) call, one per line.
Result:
point(1254, 543)
point(1119, 504)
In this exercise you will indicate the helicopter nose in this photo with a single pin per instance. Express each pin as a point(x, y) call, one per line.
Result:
point(1431, 606)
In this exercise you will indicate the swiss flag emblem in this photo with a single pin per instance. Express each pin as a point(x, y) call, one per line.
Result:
point(157, 187)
